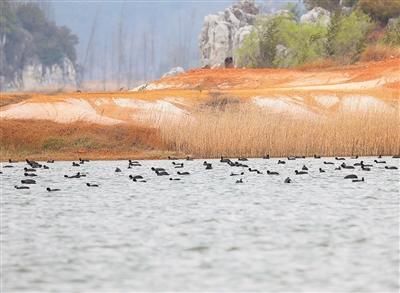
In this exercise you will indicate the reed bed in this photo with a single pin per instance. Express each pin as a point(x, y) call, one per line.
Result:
point(249, 131)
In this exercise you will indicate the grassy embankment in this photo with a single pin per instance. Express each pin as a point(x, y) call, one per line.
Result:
point(232, 130)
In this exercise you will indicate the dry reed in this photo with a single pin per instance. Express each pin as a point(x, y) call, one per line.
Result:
point(250, 131)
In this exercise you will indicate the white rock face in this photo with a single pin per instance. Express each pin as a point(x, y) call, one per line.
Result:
point(174, 71)
point(36, 76)
point(317, 15)
point(223, 33)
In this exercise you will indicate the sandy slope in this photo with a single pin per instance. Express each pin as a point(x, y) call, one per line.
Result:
point(370, 86)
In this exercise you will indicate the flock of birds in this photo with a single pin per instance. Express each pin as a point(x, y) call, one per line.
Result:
point(32, 166)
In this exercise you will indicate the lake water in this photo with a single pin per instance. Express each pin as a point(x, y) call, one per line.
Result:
point(203, 233)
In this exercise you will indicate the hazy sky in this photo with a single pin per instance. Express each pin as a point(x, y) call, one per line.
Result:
point(167, 25)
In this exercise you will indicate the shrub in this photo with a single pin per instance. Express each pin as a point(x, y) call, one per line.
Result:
point(392, 35)
point(379, 52)
point(347, 36)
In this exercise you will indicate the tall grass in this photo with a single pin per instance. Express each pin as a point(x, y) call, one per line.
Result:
point(250, 131)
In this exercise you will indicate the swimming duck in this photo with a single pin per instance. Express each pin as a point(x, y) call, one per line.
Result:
point(329, 163)
point(21, 187)
point(51, 190)
point(287, 180)
point(239, 181)
point(50, 161)
point(28, 181)
point(380, 162)
point(281, 162)
point(117, 170)
point(321, 170)
point(242, 159)
point(351, 176)
point(272, 173)
point(304, 168)
point(174, 179)
point(29, 170)
point(300, 172)
point(92, 185)
point(208, 166)
point(235, 174)
point(344, 166)
point(317, 157)
point(75, 164)
point(358, 180)
point(391, 167)
point(30, 174)
point(183, 173)
point(339, 159)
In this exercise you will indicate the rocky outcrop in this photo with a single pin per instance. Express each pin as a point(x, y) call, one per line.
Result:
point(223, 33)
point(36, 76)
point(174, 71)
point(317, 15)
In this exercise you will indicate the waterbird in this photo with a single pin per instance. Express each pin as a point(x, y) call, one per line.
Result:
point(45, 167)
point(21, 187)
point(224, 160)
point(189, 158)
point(117, 169)
point(391, 167)
point(300, 157)
point(380, 162)
point(8, 166)
point(135, 177)
point(317, 157)
point(183, 173)
point(344, 166)
point(239, 181)
point(29, 169)
point(52, 189)
point(300, 172)
point(11, 161)
point(157, 169)
point(208, 166)
point(351, 176)
point(75, 164)
point(266, 157)
point(281, 162)
point(174, 179)
point(304, 168)
point(83, 160)
point(172, 158)
point(321, 170)
point(28, 181)
point(50, 161)
point(30, 174)
point(33, 164)
point(235, 174)
point(365, 168)
point(287, 180)
point(242, 159)
point(329, 163)
point(358, 180)
point(77, 175)
point(339, 159)
point(91, 185)
point(255, 170)
point(272, 173)
point(291, 158)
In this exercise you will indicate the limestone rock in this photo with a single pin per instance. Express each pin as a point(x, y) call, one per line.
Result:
point(174, 71)
point(317, 15)
point(223, 33)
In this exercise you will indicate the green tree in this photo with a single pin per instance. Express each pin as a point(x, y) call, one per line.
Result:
point(380, 10)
